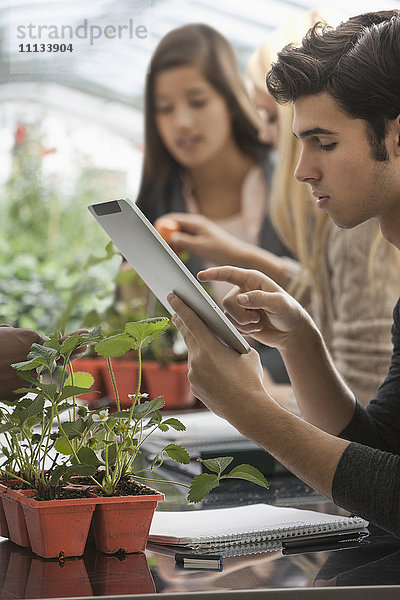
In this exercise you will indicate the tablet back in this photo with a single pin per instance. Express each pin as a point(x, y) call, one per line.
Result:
point(160, 268)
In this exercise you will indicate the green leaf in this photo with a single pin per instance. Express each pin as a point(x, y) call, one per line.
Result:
point(35, 408)
point(93, 336)
point(74, 429)
point(27, 376)
point(48, 388)
point(217, 465)
point(87, 456)
point(201, 486)
point(112, 455)
point(70, 344)
point(147, 330)
point(143, 410)
point(29, 365)
point(6, 428)
point(73, 390)
point(115, 345)
point(57, 474)
point(62, 445)
point(175, 424)
point(24, 391)
point(40, 351)
point(53, 343)
point(177, 453)
point(84, 470)
point(80, 379)
point(249, 473)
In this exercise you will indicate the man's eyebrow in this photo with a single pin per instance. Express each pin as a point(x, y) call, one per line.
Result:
point(314, 131)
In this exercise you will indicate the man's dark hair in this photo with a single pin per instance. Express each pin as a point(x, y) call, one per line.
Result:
point(358, 64)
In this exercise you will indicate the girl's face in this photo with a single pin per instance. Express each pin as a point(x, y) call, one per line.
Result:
point(192, 118)
point(268, 109)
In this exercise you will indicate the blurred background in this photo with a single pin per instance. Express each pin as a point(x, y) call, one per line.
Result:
point(71, 133)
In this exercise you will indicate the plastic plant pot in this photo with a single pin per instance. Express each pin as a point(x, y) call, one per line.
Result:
point(127, 574)
point(52, 579)
point(94, 366)
point(18, 568)
point(122, 523)
point(3, 521)
point(170, 382)
point(15, 515)
point(58, 528)
point(126, 374)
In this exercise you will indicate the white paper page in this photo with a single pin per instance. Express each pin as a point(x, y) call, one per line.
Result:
point(188, 527)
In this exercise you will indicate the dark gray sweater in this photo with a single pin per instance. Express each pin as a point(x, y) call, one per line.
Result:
point(367, 479)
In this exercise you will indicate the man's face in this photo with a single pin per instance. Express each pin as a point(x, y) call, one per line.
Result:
point(337, 162)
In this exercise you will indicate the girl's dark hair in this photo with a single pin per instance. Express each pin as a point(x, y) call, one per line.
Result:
point(357, 64)
point(202, 46)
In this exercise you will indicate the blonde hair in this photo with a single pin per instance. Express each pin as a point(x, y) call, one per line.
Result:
point(292, 207)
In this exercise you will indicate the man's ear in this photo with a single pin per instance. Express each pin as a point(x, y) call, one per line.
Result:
point(394, 135)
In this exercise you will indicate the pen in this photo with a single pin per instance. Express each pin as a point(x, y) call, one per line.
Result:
point(199, 561)
point(317, 543)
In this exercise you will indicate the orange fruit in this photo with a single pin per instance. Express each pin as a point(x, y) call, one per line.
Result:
point(165, 227)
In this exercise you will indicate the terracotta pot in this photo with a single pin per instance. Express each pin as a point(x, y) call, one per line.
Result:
point(52, 579)
point(15, 515)
point(127, 574)
point(3, 521)
point(58, 527)
point(123, 522)
point(6, 549)
point(94, 366)
point(170, 382)
point(19, 565)
point(126, 377)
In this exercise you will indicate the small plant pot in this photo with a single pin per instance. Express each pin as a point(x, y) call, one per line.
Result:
point(58, 528)
point(126, 374)
point(15, 515)
point(19, 565)
point(52, 579)
point(123, 522)
point(170, 382)
point(94, 366)
point(3, 521)
point(127, 574)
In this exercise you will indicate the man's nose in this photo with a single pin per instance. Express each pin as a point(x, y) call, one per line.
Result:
point(306, 170)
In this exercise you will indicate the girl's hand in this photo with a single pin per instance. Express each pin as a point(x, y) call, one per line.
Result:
point(200, 236)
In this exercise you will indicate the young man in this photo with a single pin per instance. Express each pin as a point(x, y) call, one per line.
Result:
point(345, 86)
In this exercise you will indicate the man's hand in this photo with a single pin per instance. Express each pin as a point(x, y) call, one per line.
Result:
point(258, 307)
point(221, 378)
point(15, 344)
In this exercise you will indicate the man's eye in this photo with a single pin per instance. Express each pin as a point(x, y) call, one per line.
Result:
point(328, 146)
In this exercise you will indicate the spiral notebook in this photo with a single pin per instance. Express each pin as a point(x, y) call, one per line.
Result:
point(241, 525)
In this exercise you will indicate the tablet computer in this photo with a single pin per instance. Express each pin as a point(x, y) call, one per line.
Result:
point(160, 268)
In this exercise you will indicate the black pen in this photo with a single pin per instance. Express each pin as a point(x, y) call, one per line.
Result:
point(317, 543)
point(199, 561)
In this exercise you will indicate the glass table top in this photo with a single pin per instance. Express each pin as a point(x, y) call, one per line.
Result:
point(374, 562)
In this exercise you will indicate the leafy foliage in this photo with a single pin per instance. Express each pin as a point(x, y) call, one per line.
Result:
point(90, 440)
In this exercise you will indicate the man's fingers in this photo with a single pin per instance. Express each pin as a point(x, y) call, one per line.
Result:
point(271, 302)
point(189, 324)
point(245, 279)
